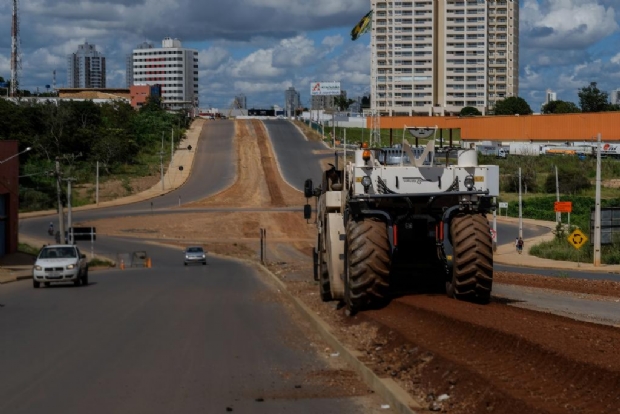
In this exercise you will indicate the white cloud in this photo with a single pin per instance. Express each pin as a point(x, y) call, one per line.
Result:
point(566, 24)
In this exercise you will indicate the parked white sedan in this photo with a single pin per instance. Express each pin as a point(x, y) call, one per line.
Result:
point(60, 263)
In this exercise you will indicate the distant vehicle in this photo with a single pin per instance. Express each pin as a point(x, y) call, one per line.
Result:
point(520, 148)
point(496, 151)
point(60, 263)
point(195, 254)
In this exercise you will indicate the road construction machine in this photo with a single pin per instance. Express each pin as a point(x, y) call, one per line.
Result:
point(406, 211)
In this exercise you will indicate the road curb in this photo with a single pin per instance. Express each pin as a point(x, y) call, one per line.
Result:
point(387, 388)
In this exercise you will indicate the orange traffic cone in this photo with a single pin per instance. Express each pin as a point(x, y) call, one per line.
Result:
point(148, 262)
point(122, 265)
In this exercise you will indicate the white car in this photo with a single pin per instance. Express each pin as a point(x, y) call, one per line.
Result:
point(195, 254)
point(60, 263)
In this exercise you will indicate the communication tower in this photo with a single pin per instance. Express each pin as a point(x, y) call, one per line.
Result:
point(15, 58)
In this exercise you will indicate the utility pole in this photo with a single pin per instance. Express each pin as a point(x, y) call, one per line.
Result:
point(520, 207)
point(597, 206)
point(171, 147)
point(161, 161)
point(69, 222)
point(61, 217)
point(558, 216)
point(97, 185)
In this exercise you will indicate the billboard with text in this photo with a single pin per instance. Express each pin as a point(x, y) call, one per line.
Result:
point(325, 88)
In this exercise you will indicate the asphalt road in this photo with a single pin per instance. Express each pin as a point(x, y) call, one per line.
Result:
point(295, 153)
point(162, 340)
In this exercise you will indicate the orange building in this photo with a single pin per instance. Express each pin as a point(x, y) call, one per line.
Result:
point(562, 127)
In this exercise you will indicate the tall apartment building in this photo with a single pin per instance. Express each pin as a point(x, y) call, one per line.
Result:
point(86, 68)
point(292, 101)
point(325, 102)
point(171, 66)
point(550, 96)
point(438, 56)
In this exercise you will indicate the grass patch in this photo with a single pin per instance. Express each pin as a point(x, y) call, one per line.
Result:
point(560, 249)
point(28, 249)
point(97, 262)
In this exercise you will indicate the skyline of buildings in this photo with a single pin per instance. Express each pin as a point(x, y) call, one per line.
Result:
point(172, 66)
point(86, 68)
point(437, 57)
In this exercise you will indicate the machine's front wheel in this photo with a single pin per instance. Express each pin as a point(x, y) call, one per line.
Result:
point(472, 270)
point(367, 264)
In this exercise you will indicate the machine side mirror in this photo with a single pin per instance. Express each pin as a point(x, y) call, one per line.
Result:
point(308, 189)
point(307, 211)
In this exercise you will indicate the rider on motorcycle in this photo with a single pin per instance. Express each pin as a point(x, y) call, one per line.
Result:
point(50, 229)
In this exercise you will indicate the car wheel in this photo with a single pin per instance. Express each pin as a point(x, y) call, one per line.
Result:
point(185, 263)
point(85, 278)
point(35, 284)
point(47, 284)
point(204, 263)
point(76, 282)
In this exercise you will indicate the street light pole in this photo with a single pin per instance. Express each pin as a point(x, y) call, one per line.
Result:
point(597, 206)
point(161, 161)
point(61, 215)
point(520, 207)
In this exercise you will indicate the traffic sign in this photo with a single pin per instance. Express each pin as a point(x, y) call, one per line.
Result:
point(493, 235)
point(577, 239)
point(563, 207)
point(503, 205)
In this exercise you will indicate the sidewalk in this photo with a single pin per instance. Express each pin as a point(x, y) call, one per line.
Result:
point(507, 254)
point(12, 266)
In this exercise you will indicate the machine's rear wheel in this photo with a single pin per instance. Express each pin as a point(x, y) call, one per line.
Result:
point(367, 264)
point(324, 286)
point(472, 271)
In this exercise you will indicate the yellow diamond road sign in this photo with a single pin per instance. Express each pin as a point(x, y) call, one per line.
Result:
point(577, 239)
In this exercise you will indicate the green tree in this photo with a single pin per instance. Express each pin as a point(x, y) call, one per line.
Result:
point(512, 106)
point(342, 103)
point(592, 99)
point(571, 180)
point(560, 107)
point(470, 111)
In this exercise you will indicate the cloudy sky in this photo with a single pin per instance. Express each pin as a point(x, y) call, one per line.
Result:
point(261, 47)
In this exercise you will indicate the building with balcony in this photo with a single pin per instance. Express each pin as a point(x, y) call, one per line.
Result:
point(86, 68)
point(173, 67)
point(437, 57)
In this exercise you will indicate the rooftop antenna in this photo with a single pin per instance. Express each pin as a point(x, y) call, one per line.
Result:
point(15, 59)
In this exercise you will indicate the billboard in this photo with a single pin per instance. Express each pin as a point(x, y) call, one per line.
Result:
point(610, 225)
point(325, 88)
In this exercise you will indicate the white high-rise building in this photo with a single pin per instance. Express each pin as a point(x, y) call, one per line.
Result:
point(550, 96)
point(438, 56)
point(171, 66)
point(86, 68)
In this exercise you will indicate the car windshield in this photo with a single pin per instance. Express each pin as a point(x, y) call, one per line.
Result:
point(58, 253)
point(194, 250)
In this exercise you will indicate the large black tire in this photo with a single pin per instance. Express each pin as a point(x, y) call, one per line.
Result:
point(85, 278)
point(35, 284)
point(367, 265)
point(324, 286)
point(472, 270)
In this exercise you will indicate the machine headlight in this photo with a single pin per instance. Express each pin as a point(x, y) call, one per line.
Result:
point(366, 182)
point(71, 266)
point(37, 267)
point(469, 182)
